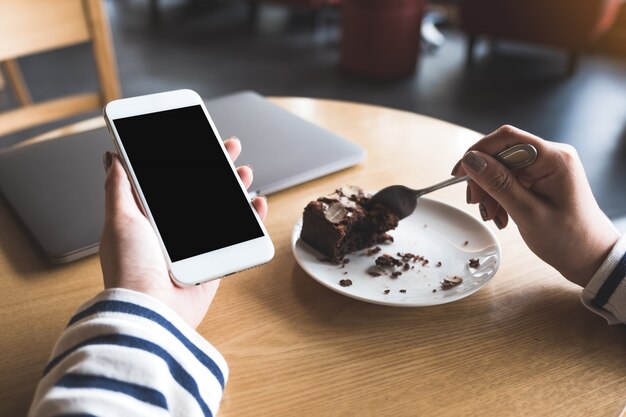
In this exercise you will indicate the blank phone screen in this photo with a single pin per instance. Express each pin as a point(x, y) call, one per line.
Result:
point(190, 189)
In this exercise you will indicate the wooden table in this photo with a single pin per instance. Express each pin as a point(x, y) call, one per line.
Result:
point(522, 345)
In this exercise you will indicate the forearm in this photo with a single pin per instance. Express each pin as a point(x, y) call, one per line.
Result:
point(125, 353)
point(606, 292)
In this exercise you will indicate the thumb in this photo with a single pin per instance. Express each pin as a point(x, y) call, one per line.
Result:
point(499, 182)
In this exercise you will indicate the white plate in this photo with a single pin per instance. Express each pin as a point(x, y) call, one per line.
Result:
point(436, 231)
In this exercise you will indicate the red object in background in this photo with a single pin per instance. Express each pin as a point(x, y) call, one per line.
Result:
point(381, 38)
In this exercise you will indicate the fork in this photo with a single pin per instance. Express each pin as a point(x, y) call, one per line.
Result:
point(402, 200)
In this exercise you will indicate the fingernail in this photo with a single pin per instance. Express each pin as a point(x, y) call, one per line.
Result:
point(236, 138)
point(458, 164)
point(498, 223)
point(468, 195)
point(249, 166)
point(483, 211)
point(474, 162)
point(107, 159)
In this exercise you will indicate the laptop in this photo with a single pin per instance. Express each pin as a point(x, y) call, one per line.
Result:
point(56, 188)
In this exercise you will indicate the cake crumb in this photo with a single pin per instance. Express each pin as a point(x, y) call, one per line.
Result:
point(374, 271)
point(373, 251)
point(388, 238)
point(438, 264)
point(386, 291)
point(466, 243)
point(345, 282)
point(474, 263)
point(387, 260)
point(403, 291)
point(413, 258)
point(396, 274)
point(451, 282)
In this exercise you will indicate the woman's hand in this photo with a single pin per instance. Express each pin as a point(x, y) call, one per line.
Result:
point(550, 201)
point(130, 254)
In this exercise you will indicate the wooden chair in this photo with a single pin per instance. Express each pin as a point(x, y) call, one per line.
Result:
point(573, 26)
point(16, 80)
point(35, 26)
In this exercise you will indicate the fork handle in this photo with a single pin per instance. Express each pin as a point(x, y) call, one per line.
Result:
point(517, 156)
point(442, 184)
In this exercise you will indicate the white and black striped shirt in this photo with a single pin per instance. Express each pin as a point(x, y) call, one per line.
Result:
point(605, 293)
point(125, 353)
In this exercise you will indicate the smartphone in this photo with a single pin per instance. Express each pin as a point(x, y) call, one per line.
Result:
point(187, 186)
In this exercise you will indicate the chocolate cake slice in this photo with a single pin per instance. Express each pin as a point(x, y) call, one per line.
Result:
point(338, 224)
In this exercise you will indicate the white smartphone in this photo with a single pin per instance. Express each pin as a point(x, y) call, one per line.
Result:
point(188, 186)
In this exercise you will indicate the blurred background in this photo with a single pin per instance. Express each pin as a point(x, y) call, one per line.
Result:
point(555, 68)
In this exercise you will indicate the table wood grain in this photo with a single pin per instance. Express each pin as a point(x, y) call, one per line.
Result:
point(523, 345)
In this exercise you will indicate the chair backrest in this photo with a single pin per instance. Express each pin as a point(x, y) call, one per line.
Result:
point(28, 27)
point(560, 23)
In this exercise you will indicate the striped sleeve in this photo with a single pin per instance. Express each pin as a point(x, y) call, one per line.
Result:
point(606, 292)
point(125, 353)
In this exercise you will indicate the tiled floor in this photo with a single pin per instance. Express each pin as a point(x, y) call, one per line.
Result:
point(210, 47)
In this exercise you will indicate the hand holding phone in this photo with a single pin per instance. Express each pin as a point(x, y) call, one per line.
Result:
point(187, 186)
